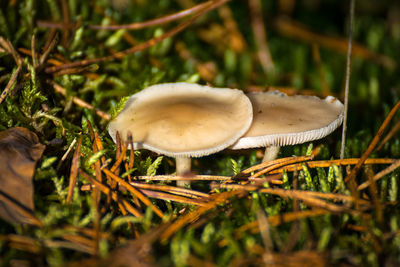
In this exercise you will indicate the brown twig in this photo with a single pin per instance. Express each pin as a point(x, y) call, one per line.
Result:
point(391, 133)
point(51, 61)
point(48, 48)
point(6, 44)
point(155, 22)
point(138, 47)
point(74, 170)
point(10, 84)
point(66, 21)
point(167, 195)
point(166, 188)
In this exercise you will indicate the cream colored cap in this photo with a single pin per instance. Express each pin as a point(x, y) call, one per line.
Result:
point(184, 119)
point(281, 120)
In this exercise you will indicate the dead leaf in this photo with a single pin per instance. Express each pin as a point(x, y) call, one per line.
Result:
point(19, 151)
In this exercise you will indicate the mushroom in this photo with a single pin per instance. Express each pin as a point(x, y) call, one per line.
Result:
point(184, 120)
point(281, 120)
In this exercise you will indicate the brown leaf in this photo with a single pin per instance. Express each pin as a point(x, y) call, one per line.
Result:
point(19, 151)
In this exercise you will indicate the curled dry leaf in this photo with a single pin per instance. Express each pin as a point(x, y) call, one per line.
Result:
point(19, 151)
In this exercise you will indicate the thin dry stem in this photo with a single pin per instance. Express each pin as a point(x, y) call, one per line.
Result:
point(154, 22)
point(380, 174)
point(328, 163)
point(74, 171)
point(346, 87)
point(195, 215)
point(270, 168)
point(183, 178)
point(9, 85)
point(391, 133)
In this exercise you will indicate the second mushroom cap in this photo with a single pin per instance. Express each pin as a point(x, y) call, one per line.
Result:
point(281, 120)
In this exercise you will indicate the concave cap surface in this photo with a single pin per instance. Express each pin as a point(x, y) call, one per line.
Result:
point(184, 119)
point(281, 120)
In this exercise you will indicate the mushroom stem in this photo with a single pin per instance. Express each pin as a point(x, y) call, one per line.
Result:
point(271, 153)
point(183, 166)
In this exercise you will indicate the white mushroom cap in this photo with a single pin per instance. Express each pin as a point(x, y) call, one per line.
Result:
point(184, 119)
point(281, 120)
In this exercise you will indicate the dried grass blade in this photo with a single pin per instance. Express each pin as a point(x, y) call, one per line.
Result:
point(267, 164)
point(7, 45)
point(82, 242)
point(289, 161)
point(328, 163)
point(313, 194)
point(22, 242)
point(48, 48)
point(391, 133)
point(171, 189)
point(10, 84)
point(171, 197)
point(380, 174)
point(183, 178)
point(195, 215)
point(312, 201)
point(74, 170)
point(134, 191)
point(122, 156)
